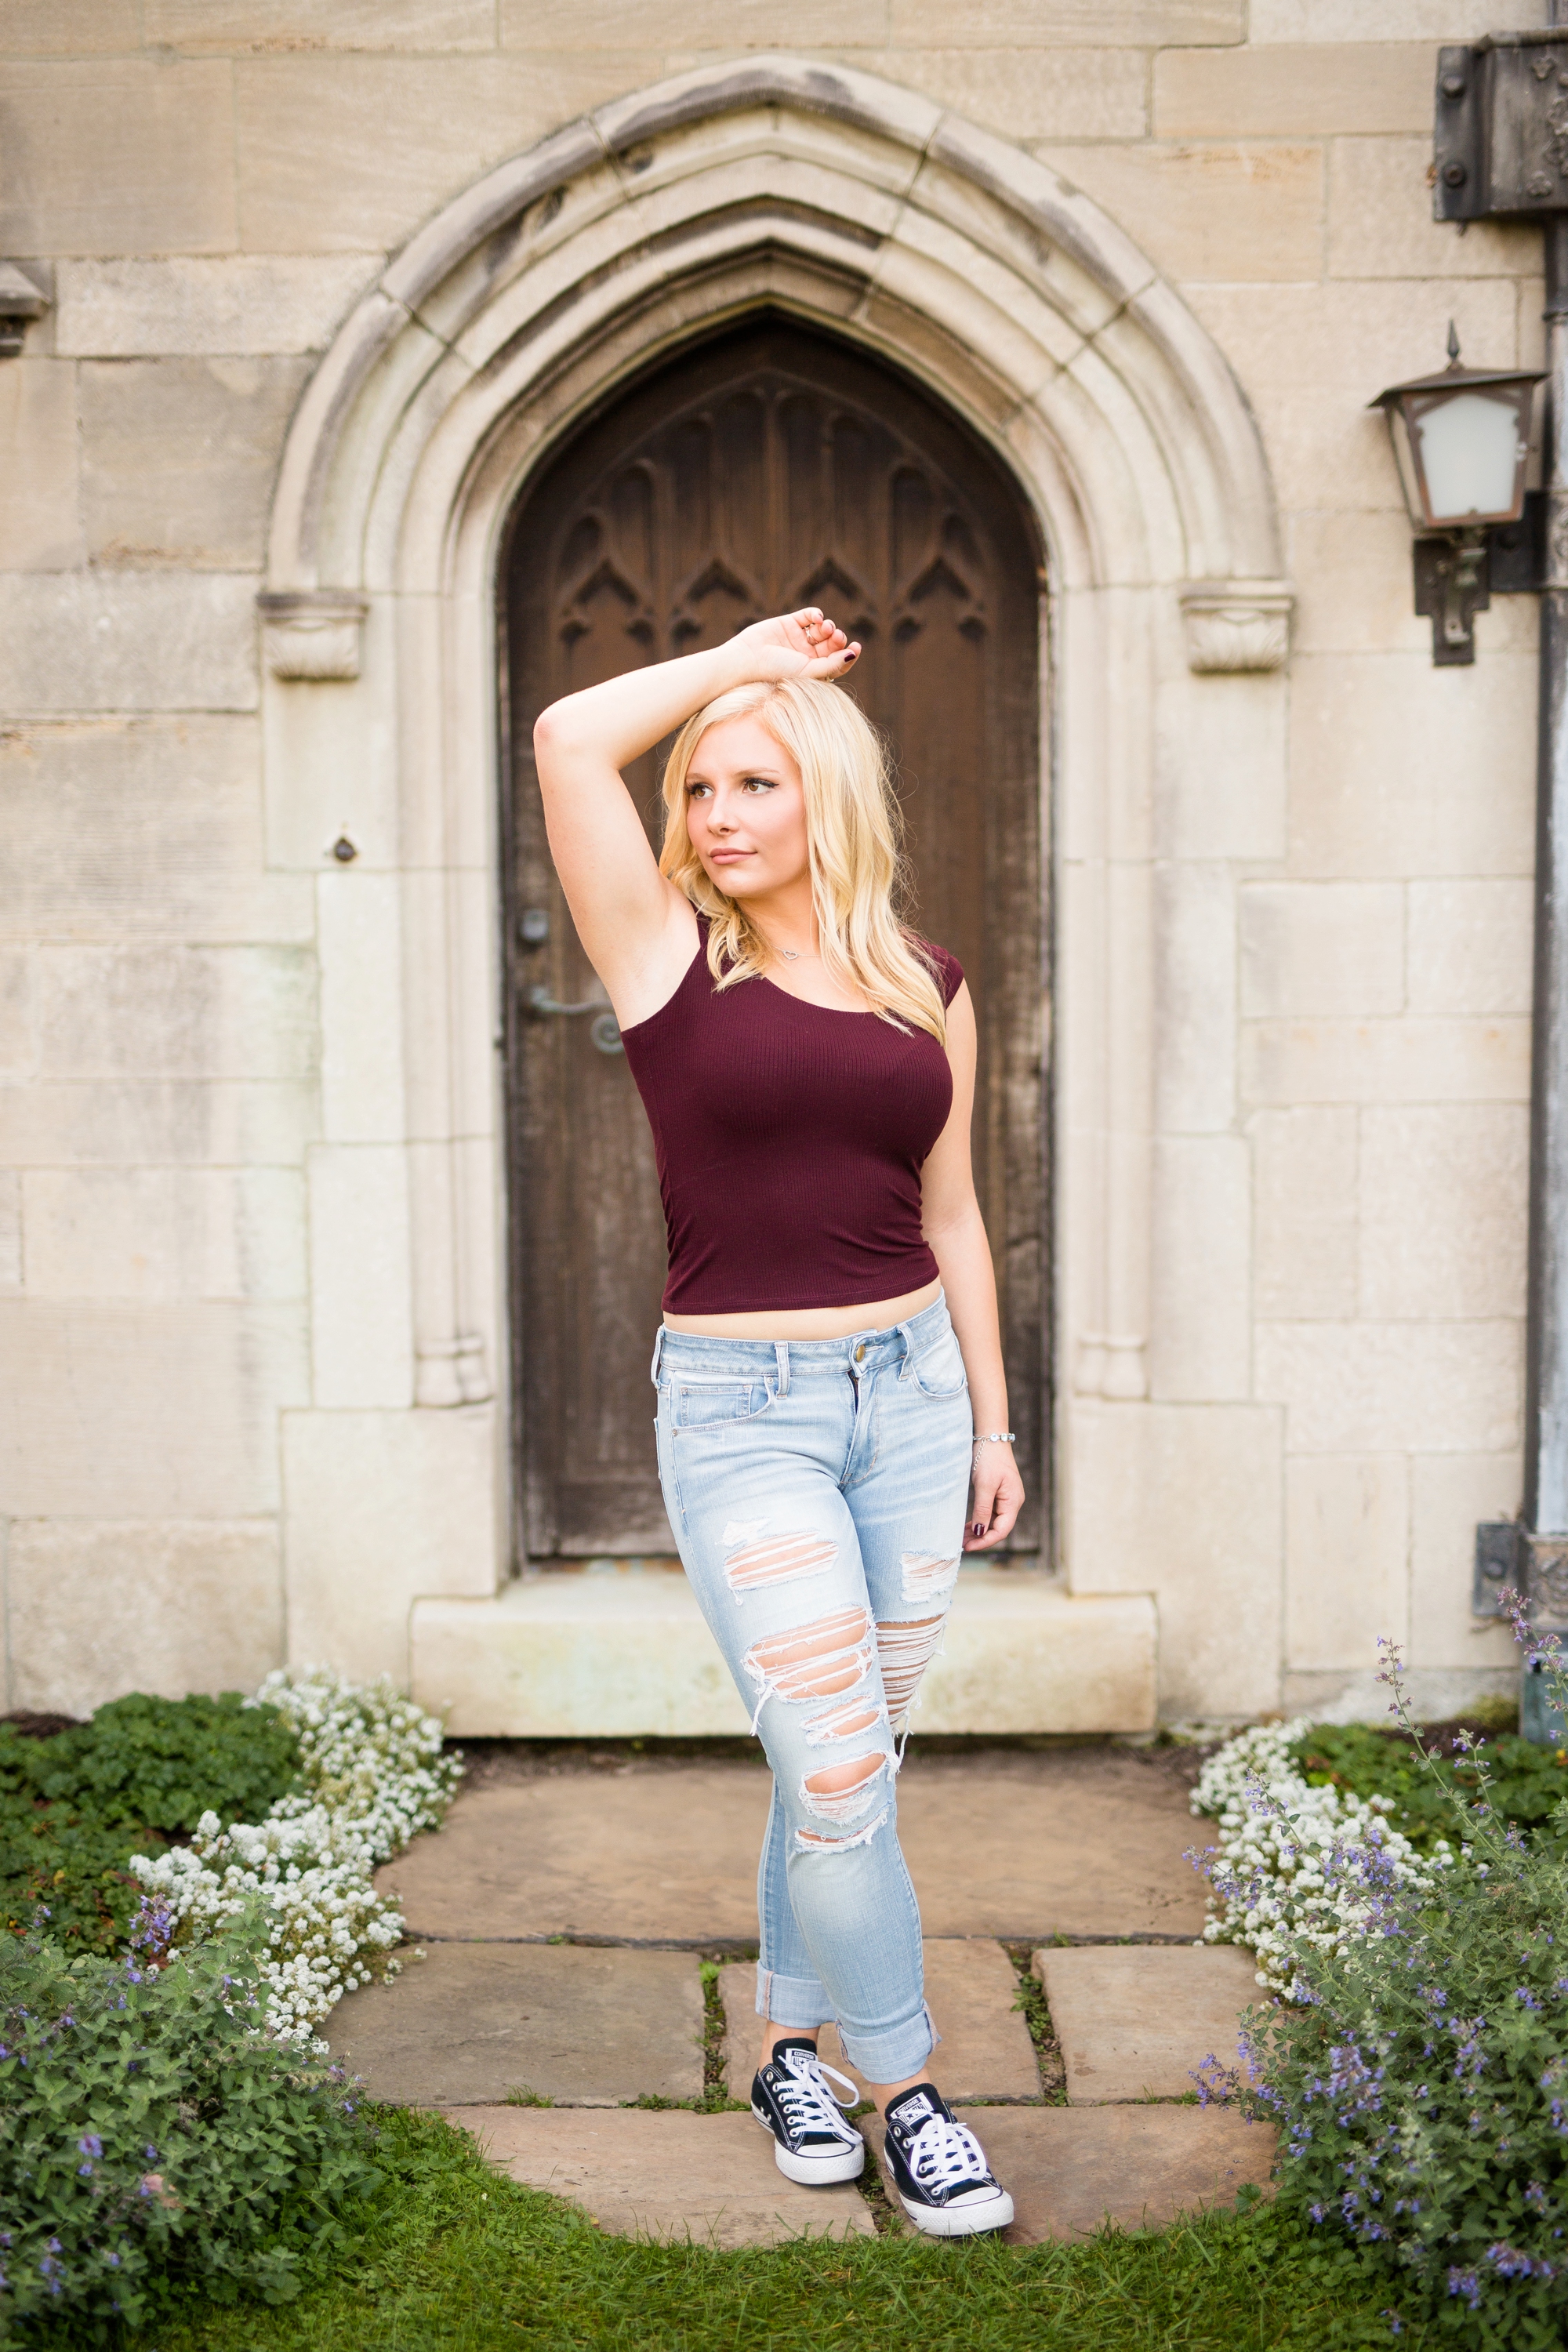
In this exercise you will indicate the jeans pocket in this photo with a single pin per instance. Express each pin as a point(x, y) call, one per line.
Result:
point(940, 1373)
point(710, 1404)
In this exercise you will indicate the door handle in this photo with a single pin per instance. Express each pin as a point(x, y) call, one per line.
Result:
point(605, 1030)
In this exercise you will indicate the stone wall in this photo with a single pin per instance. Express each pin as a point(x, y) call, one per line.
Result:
point(1338, 929)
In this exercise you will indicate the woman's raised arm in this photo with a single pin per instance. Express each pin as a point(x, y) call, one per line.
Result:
point(636, 927)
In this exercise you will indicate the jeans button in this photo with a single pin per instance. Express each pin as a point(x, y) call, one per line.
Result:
point(860, 1353)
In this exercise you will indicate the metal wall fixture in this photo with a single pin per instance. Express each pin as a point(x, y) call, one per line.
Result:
point(22, 298)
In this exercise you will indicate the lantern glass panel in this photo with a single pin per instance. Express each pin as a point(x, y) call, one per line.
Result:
point(1469, 456)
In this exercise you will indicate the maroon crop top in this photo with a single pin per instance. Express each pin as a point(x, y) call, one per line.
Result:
point(790, 1140)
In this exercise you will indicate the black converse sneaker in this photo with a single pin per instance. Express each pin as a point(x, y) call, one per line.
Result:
point(938, 2168)
point(812, 2141)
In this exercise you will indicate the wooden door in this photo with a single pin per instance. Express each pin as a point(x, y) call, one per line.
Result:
point(767, 469)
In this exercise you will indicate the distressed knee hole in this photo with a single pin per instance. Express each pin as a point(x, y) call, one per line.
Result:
point(845, 1722)
point(928, 1576)
point(816, 1842)
point(824, 1660)
point(775, 1560)
point(841, 1780)
point(904, 1652)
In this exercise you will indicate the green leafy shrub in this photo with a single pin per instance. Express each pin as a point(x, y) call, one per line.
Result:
point(1524, 1783)
point(74, 1807)
point(156, 2138)
point(1420, 2074)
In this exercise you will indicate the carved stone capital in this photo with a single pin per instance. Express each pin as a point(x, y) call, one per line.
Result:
point(1237, 623)
point(312, 632)
point(23, 296)
point(450, 1372)
point(1112, 1366)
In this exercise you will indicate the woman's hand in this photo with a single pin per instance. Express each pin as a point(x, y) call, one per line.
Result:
point(795, 645)
point(997, 1497)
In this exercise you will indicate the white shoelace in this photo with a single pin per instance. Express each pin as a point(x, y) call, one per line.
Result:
point(945, 2153)
point(808, 2105)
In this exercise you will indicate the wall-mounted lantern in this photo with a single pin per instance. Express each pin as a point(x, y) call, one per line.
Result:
point(1461, 441)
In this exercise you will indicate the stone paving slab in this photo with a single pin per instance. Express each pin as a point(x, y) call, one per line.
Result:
point(984, 2052)
point(1068, 2169)
point(1078, 1842)
point(1133, 2021)
point(710, 2178)
point(582, 2025)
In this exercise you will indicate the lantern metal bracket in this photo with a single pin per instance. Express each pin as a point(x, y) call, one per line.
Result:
point(1451, 587)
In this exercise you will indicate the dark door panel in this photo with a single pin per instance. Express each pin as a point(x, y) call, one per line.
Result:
point(766, 469)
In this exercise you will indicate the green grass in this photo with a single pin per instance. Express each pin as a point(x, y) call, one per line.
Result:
point(458, 2259)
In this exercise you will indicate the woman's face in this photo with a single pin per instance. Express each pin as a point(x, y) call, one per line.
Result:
point(745, 809)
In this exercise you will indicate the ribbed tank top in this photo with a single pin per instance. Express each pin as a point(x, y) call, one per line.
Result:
point(790, 1140)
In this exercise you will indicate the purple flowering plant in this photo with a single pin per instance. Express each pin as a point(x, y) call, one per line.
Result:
point(1419, 2073)
point(157, 2137)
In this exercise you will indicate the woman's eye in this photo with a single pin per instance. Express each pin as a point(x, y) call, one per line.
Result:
point(759, 783)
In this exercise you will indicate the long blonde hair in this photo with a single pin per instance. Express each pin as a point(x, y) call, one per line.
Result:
point(853, 833)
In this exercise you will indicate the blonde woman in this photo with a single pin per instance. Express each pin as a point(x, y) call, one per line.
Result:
point(832, 1414)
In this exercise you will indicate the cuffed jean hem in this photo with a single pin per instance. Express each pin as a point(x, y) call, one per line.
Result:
point(893, 2056)
point(797, 2001)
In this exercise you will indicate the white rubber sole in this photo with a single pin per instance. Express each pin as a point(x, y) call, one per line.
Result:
point(960, 2220)
point(817, 2172)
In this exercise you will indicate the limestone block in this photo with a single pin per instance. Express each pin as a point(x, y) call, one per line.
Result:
point(1347, 1557)
point(1185, 1502)
point(235, 306)
point(1386, 1061)
point(101, 1607)
point(1450, 1494)
point(362, 990)
point(1134, 2023)
point(1109, 23)
point(380, 1507)
point(192, 1121)
point(1352, 575)
point(176, 1012)
point(179, 457)
point(1397, 20)
point(1289, 92)
point(1219, 755)
point(1304, 1214)
point(1321, 947)
point(18, 1024)
point(1433, 1694)
point(122, 829)
point(10, 1229)
point(703, 2180)
point(628, 1657)
point(972, 1993)
point(71, 28)
point(1229, 209)
point(161, 1412)
point(552, 26)
point(126, 641)
point(1195, 997)
point(575, 2025)
point(1444, 1194)
point(1381, 224)
point(1307, 354)
point(117, 156)
point(40, 520)
point(1200, 1340)
point(164, 1233)
point(237, 26)
point(1032, 93)
point(362, 1340)
point(1393, 1387)
point(1470, 945)
point(403, 134)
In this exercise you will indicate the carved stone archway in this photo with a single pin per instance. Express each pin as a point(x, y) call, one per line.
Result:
point(850, 201)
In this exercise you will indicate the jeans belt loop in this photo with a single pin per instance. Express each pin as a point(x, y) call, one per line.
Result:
point(909, 1347)
point(658, 1355)
point(781, 1351)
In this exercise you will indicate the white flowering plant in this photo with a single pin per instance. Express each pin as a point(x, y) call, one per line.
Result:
point(373, 1772)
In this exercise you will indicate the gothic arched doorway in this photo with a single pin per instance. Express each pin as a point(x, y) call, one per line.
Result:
point(767, 468)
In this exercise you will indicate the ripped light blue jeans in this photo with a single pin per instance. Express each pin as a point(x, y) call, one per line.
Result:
point(818, 1490)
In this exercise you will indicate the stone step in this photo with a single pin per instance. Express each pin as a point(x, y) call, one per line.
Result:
point(473, 2024)
point(626, 1654)
point(984, 2052)
point(709, 2179)
point(1134, 2020)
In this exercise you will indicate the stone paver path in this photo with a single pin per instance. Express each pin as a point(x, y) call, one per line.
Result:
point(1132, 2023)
point(1013, 1846)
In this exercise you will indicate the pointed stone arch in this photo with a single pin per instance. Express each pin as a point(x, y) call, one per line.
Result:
point(857, 204)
